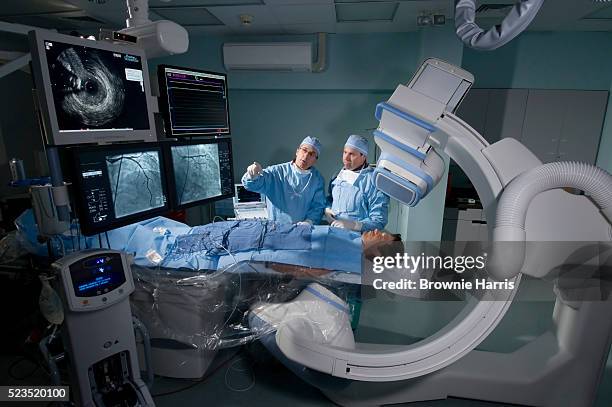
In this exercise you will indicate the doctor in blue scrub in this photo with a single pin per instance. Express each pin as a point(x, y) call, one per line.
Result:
point(354, 201)
point(294, 190)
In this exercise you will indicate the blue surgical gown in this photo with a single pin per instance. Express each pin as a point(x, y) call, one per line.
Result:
point(360, 201)
point(291, 196)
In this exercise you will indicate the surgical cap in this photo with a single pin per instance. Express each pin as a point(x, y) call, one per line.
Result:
point(313, 142)
point(359, 143)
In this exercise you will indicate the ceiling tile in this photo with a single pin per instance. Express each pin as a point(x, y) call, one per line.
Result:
point(605, 13)
point(208, 29)
point(17, 7)
point(309, 28)
point(370, 27)
point(203, 3)
point(301, 14)
point(370, 11)
point(296, 2)
point(261, 29)
point(188, 15)
point(230, 15)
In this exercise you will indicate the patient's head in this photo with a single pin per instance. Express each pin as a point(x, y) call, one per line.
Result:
point(374, 237)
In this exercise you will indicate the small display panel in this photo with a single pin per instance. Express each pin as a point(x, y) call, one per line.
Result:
point(119, 185)
point(193, 102)
point(97, 275)
point(243, 195)
point(95, 89)
point(201, 171)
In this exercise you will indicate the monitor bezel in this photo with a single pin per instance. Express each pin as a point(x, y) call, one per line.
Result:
point(88, 228)
point(42, 81)
point(172, 193)
point(164, 107)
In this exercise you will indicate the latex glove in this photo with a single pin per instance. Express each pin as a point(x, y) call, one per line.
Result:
point(305, 222)
point(347, 224)
point(330, 215)
point(254, 169)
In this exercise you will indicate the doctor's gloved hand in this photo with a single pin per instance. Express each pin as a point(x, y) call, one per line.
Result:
point(254, 169)
point(306, 222)
point(330, 215)
point(347, 224)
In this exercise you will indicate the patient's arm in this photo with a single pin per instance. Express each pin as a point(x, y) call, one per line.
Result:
point(297, 271)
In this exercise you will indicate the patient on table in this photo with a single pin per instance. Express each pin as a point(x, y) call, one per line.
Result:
point(167, 244)
point(173, 260)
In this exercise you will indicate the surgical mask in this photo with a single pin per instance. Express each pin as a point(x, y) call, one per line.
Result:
point(348, 176)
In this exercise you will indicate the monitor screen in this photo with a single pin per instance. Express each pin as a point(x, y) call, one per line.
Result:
point(92, 91)
point(193, 102)
point(118, 185)
point(97, 275)
point(243, 195)
point(201, 171)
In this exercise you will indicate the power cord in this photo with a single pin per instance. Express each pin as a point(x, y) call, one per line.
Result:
point(202, 380)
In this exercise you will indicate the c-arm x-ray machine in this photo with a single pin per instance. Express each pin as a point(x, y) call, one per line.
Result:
point(562, 367)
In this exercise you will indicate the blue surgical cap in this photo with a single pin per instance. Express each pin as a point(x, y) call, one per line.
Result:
point(359, 143)
point(313, 142)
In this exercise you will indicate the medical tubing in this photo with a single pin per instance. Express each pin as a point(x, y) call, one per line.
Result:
point(146, 342)
point(514, 202)
point(44, 350)
point(517, 20)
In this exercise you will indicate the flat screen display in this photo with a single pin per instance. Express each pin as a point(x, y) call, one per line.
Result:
point(244, 196)
point(96, 89)
point(91, 91)
point(201, 171)
point(118, 185)
point(193, 102)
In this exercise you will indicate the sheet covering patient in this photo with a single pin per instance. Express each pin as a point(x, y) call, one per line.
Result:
point(166, 243)
point(169, 244)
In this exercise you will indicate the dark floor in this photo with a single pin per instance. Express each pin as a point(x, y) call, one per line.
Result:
point(247, 377)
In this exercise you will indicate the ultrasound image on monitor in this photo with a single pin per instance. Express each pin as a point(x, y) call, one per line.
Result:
point(95, 89)
point(135, 182)
point(197, 172)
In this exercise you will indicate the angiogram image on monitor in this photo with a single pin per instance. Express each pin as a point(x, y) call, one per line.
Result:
point(135, 182)
point(118, 185)
point(193, 102)
point(96, 89)
point(202, 171)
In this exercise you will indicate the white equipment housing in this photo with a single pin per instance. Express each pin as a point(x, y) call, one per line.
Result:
point(274, 56)
point(561, 367)
point(160, 38)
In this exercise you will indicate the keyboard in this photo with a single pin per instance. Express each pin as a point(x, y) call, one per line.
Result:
point(251, 213)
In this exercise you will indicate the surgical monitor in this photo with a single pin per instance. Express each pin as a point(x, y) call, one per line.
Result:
point(118, 185)
point(193, 102)
point(91, 91)
point(199, 171)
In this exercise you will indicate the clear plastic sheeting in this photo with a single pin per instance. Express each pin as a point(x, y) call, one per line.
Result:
point(192, 314)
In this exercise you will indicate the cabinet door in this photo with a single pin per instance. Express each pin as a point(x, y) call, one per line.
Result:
point(582, 125)
point(544, 121)
point(505, 114)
